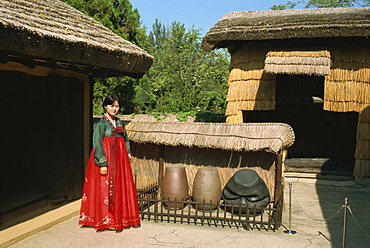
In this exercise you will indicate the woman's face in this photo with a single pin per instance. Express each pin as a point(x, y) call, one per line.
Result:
point(112, 109)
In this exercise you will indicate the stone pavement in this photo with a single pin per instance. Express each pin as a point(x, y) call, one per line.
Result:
point(317, 216)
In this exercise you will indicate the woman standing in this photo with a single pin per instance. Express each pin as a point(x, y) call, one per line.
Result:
point(109, 194)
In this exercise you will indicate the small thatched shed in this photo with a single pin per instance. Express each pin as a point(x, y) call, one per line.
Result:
point(50, 54)
point(226, 146)
point(299, 66)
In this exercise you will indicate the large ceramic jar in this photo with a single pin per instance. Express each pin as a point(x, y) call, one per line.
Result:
point(207, 188)
point(174, 186)
point(246, 188)
point(248, 183)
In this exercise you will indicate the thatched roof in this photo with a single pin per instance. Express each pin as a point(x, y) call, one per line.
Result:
point(51, 29)
point(269, 137)
point(288, 24)
point(298, 62)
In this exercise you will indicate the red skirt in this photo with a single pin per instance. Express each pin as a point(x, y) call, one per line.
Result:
point(95, 202)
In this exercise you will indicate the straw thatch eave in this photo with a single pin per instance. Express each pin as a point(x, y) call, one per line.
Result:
point(53, 30)
point(269, 137)
point(288, 24)
point(298, 62)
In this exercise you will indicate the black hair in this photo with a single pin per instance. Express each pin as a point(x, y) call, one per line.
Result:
point(110, 99)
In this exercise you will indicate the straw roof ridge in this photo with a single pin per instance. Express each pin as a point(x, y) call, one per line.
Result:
point(270, 137)
point(288, 24)
point(53, 29)
point(290, 12)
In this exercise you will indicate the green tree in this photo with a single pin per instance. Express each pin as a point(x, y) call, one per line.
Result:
point(122, 19)
point(118, 15)
point(158, 35)
point(182, 78)
point(323, 4)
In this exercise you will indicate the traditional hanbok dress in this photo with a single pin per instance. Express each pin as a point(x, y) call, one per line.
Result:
point(109, 202)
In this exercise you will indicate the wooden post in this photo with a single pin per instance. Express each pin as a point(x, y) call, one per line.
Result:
point(278, 192)
point(161, 168)
point(278, 178)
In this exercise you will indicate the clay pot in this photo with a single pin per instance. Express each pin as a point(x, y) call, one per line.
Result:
point(207, 188)
point(246, 188)
point(174, 186)
point(246, 182)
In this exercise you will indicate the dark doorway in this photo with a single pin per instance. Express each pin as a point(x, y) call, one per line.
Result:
point(324, 140)
point(26, 171)
point(41, 141)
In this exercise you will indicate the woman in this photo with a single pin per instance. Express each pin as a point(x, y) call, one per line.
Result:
point(109, 195)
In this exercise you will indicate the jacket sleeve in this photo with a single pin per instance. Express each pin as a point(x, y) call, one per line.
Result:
point(99, 154)
point(126, 138)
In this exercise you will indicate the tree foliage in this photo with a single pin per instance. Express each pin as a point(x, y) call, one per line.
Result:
point(323, 4)
point(117, 15)
point(182, 78)
point(122, 19)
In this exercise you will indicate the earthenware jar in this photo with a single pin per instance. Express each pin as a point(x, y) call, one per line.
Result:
point(246, 189)
point(207, 188)
point(174, 186)
point(248, 183)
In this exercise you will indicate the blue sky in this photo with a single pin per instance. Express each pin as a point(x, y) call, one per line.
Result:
point(202, 14)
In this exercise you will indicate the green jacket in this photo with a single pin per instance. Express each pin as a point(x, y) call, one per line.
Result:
point(103, 128)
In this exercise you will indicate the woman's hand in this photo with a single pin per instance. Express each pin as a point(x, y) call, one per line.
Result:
point(104, 170)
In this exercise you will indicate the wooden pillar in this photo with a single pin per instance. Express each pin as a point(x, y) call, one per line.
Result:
point(161, 168)
point(362, 153)
point(87, 119)
point(278, 191)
